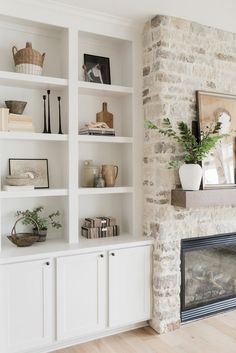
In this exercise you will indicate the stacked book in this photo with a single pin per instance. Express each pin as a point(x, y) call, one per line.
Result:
point(99, 227)
point(15, 122)
point(97, 131)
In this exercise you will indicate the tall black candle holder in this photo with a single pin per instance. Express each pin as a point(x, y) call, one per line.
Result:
point(44, 115)
point(49, 115)
point(59, 109)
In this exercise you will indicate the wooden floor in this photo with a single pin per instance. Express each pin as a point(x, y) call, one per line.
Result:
point(213, 335)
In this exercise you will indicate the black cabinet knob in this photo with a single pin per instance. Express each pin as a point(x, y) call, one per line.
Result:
point(112, 254)
point(101, 255)
point(48, 263)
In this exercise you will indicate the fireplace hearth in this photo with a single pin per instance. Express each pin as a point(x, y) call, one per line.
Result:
point(208, 276)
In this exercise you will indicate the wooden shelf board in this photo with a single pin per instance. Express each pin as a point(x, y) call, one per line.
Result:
point(104, 139)
point(33, 193)
point(15, 79)
point(203, 198)
point(99, 89)
point(31, 136)
point(100, 191)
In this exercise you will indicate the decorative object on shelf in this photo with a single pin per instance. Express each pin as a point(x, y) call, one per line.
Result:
point(16, 107)
point(23, 179)
point(28, 60)
point(220, 164)
point(23, 239)
point(194, 150)
point(97, 69)
point(44, 115)
point(100, 129)
point(49, 113)
point(99, 227)
point(43, 222)
point(15, 122)
point(38, 167)
point(109, 173)
point(99, 222)
point(104, 116)
point(89, 174)
point(4, 115)
point(59, 111)
point(20, 123)
point(99, 181)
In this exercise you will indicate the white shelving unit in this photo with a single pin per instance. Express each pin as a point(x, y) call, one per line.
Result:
point(55, 269)
point(65, 44)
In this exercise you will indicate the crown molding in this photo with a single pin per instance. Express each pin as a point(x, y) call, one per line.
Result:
point(69, 9)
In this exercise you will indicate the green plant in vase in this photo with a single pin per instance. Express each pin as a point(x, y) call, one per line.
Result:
point(43, 222)
point(194, 150)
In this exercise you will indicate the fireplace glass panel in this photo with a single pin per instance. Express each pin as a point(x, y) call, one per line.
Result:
point(209, 275)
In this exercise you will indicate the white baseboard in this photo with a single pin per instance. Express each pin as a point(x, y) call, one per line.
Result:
point(68, 343)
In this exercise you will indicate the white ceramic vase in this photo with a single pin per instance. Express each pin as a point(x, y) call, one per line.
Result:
point(190, 176)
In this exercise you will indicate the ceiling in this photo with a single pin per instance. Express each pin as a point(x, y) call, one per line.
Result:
point(217, 13)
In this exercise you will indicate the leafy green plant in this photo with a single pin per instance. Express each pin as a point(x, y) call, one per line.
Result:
point(194, 150)
point(43, 222)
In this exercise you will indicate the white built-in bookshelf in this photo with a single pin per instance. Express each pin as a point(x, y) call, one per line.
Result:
point(65, 46)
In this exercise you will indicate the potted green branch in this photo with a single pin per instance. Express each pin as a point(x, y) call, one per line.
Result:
point(194, 149)
point(43, 222)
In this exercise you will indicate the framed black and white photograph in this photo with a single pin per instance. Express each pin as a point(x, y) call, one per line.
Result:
point(97, 69)
point(219, 167)
point(37, 167)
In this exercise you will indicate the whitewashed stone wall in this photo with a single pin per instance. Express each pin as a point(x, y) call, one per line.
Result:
point(179, 58)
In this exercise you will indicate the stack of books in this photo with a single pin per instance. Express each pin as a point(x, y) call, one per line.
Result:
point(15, 122)
point(97, 131)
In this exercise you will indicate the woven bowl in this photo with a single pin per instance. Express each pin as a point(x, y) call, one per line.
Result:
point(16, 107)
point(23, 239)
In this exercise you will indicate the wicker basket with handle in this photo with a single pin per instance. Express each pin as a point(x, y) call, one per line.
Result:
point(28, 60)
point(23, 239)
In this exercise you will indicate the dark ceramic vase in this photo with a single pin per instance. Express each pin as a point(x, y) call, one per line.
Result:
point(42, 234)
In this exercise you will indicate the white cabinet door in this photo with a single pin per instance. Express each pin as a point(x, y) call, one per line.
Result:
point(129, 285)
point(25, 305)
point(81, 294)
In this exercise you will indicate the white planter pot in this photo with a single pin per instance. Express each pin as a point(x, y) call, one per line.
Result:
point(190, 176)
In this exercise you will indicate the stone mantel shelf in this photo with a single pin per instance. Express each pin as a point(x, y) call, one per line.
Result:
point(203, 198)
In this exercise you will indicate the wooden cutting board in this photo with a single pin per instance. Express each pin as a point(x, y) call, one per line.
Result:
point(104, 116)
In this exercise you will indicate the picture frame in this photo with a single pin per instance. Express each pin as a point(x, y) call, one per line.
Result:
point(38, 167)
point(219, 167)
point(97, 69)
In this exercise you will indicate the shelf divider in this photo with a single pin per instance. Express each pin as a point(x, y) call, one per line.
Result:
point(99, 89)
point(106, 190)
point(33, 193)
point(15, 79)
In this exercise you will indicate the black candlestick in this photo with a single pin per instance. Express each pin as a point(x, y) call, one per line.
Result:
point(59, 107)
point(49, 116)
point(44, 115)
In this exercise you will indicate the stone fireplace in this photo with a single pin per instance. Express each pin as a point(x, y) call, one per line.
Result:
point(179, 58)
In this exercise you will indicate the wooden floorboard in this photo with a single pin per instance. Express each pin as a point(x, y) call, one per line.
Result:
point(212, 335)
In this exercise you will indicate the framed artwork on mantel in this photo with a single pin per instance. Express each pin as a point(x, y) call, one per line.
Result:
point(219, 167)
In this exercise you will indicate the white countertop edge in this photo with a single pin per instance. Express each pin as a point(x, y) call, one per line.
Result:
point(57, 248)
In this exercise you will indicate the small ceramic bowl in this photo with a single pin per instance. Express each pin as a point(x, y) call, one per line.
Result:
point(15, 107)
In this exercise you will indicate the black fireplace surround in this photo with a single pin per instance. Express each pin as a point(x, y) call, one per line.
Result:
point(208, 276)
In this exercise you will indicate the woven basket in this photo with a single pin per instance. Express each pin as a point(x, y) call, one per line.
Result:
point(23, 239)
point(28, 60)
